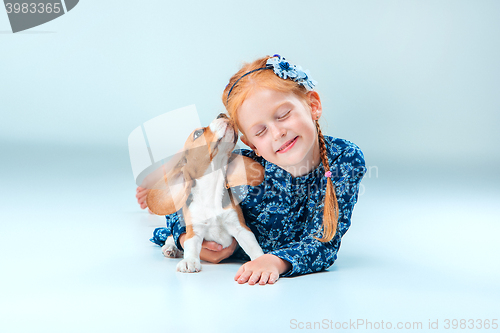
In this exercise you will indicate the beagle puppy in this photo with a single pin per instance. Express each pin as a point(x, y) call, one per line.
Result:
point(200, 184)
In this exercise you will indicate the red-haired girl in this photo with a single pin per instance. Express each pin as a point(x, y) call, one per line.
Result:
point(303, 207)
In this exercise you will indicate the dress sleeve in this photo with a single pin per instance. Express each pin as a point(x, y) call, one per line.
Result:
point(174, 227)
point(309, 254)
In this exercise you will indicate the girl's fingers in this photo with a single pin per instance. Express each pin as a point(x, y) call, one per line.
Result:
point(264, 278)
point(273, 278)
point(141, 195)
point(244, 277)
point(254, 278)
point(239, 272)
point(142, 201)
point(212, 246)
point(213, 252)
point(141, 192)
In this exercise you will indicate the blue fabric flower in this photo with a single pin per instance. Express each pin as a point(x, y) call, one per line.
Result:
point(303, 79)
point(282, 68)
point(286, 70)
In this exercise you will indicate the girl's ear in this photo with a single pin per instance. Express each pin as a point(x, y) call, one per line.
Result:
point(249, 144)
point(315, 104)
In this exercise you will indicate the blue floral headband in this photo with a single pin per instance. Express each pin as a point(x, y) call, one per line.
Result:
point(284, 70)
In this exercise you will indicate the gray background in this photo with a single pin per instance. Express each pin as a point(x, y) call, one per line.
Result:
point(413, 79)
point(414, 83)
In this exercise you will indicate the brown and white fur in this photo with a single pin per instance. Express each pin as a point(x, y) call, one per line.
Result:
point(200, 184)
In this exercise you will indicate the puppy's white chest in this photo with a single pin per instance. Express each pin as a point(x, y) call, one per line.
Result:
point(208, 218)
point(216, 225)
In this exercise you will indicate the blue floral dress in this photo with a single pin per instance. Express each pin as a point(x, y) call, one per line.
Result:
point(286, 213)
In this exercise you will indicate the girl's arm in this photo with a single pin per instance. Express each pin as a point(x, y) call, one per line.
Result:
point(296, 258)
point(212, 251)
point(309, 254)
point(265, 269)
point(141, 195)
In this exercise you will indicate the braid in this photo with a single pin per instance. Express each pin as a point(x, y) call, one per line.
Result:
point(331, 206)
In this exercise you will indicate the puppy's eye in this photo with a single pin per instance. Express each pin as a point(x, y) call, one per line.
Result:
point(198, 133)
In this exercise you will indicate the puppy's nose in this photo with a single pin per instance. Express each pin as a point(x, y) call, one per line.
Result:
point(222, 115)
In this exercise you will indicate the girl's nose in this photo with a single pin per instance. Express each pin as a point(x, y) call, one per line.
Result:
point(278, 132)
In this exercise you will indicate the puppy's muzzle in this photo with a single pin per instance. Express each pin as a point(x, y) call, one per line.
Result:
point(224, 116)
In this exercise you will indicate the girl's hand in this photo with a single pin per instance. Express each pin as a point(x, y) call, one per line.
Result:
point(211, 251)
point(264, 269)
point(141, 195)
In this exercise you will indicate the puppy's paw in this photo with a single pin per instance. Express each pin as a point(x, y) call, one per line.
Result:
point(189, 265)
point(171, 251)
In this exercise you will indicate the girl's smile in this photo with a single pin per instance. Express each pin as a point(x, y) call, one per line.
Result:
point(287, 146)
point(280, 127)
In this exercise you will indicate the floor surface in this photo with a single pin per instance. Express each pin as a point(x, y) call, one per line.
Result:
point(75, 257)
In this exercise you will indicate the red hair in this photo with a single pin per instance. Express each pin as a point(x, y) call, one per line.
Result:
point(267, 79)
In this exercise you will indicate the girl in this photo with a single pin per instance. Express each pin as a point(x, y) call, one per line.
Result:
point(303, 207)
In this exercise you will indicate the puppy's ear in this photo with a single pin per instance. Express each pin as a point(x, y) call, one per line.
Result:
point(170, 193)
point(243, 170)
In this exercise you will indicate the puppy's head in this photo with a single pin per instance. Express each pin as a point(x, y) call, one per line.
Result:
point(206, 150)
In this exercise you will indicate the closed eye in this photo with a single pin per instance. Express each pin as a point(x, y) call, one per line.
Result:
point(259, 133)
point(285, 115)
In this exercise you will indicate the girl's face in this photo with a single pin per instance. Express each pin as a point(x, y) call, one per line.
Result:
point(280, 127)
